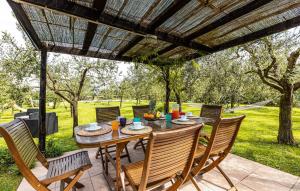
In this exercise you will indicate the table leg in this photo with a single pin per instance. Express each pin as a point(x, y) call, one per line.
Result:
point(119, 149)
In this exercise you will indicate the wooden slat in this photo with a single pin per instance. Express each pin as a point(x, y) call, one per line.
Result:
point(291, 23)
point(253, 5)
point(92, 27)
point(140, 110)
point(106, 114)
point(76, 10)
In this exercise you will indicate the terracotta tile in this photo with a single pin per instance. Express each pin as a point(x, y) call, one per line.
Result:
point(215, 179)
point(95, 170)
point(99, 183)
point(25, 186)
point(85, 175)
point(277, 176)
point(296, 186)
point(241, 187)
point(236, 174)
point(259, 183)
point(240, 163)
point(88, 186)
point(190, 187)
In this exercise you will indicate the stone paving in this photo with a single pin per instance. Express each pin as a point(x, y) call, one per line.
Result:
point(245, 174)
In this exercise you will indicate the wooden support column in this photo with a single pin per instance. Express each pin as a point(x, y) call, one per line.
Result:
point(42, 102)
point(168, 89)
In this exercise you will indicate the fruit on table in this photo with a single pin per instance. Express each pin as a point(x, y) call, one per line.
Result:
point(158, 114)
point(149, 116)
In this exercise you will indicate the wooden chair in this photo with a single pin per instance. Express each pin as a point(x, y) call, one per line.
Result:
point(139, 111)
point(211, 111)
point(24, 151)
point(219, 144)
point(106, 114)
point(169, 157)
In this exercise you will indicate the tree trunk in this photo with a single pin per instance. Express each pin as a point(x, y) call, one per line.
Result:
point(31, 101)
point(232, 101)
point(54, 103)
point(71, 110)
point(178, 100)
point(121, 100)
point(75, 115)
point(285, 134)
point(168, 90)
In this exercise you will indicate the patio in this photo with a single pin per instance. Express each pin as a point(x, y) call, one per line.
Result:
point(246, 174)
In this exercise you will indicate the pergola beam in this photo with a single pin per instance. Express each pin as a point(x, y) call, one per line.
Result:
point(164, 16)
point(131, 44)
point(92, 27)
point(175, 6)
point(78, 52)
point(91, 14)
point(228, 18)
point(291, 23)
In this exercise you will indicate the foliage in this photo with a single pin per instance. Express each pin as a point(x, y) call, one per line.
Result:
point(7, 163)
point(53, 149)
point(275, 61)
point(225, 80)
point(73, 78)
point(19, 65)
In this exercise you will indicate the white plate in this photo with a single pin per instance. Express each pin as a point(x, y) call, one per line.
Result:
point(134, 128)
point(93, 128)
point(193, 117)
point(183, 120)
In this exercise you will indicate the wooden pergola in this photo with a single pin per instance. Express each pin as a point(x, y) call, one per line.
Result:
point(126, 29)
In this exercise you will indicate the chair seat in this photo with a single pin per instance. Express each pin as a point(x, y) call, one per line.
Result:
point(134, 172)
point(67, 166)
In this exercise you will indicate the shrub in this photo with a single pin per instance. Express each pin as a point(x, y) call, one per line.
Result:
point(7, 163)
point(53, 149)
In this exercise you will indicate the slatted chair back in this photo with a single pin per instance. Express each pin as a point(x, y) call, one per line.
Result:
point(224, 135)
point(105, 114)
point(139, 110)
point(170, 153)
point(222, 138)
point(22, 147)
point(211, 111)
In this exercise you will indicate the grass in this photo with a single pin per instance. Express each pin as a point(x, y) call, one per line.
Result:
point(256, 140)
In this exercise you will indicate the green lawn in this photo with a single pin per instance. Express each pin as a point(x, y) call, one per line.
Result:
point(256, 140)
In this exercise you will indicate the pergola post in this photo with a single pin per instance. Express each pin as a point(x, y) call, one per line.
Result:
point(168, 90)
point(42, 102)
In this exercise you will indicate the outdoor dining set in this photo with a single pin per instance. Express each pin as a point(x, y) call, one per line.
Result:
point(175, 146)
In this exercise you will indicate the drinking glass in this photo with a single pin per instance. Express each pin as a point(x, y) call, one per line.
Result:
point(123, 121)
point(115, 125)
point(168, 117)
point(136, 119)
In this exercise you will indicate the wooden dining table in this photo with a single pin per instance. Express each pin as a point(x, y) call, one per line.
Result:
point(120, 140)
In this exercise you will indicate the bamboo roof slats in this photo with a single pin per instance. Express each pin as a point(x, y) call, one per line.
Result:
point(280, 11)
point(126, 29)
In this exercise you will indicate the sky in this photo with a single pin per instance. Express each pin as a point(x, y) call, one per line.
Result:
point(8, 24)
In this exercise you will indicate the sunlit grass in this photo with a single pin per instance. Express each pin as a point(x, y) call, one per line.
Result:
point(256, 139)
